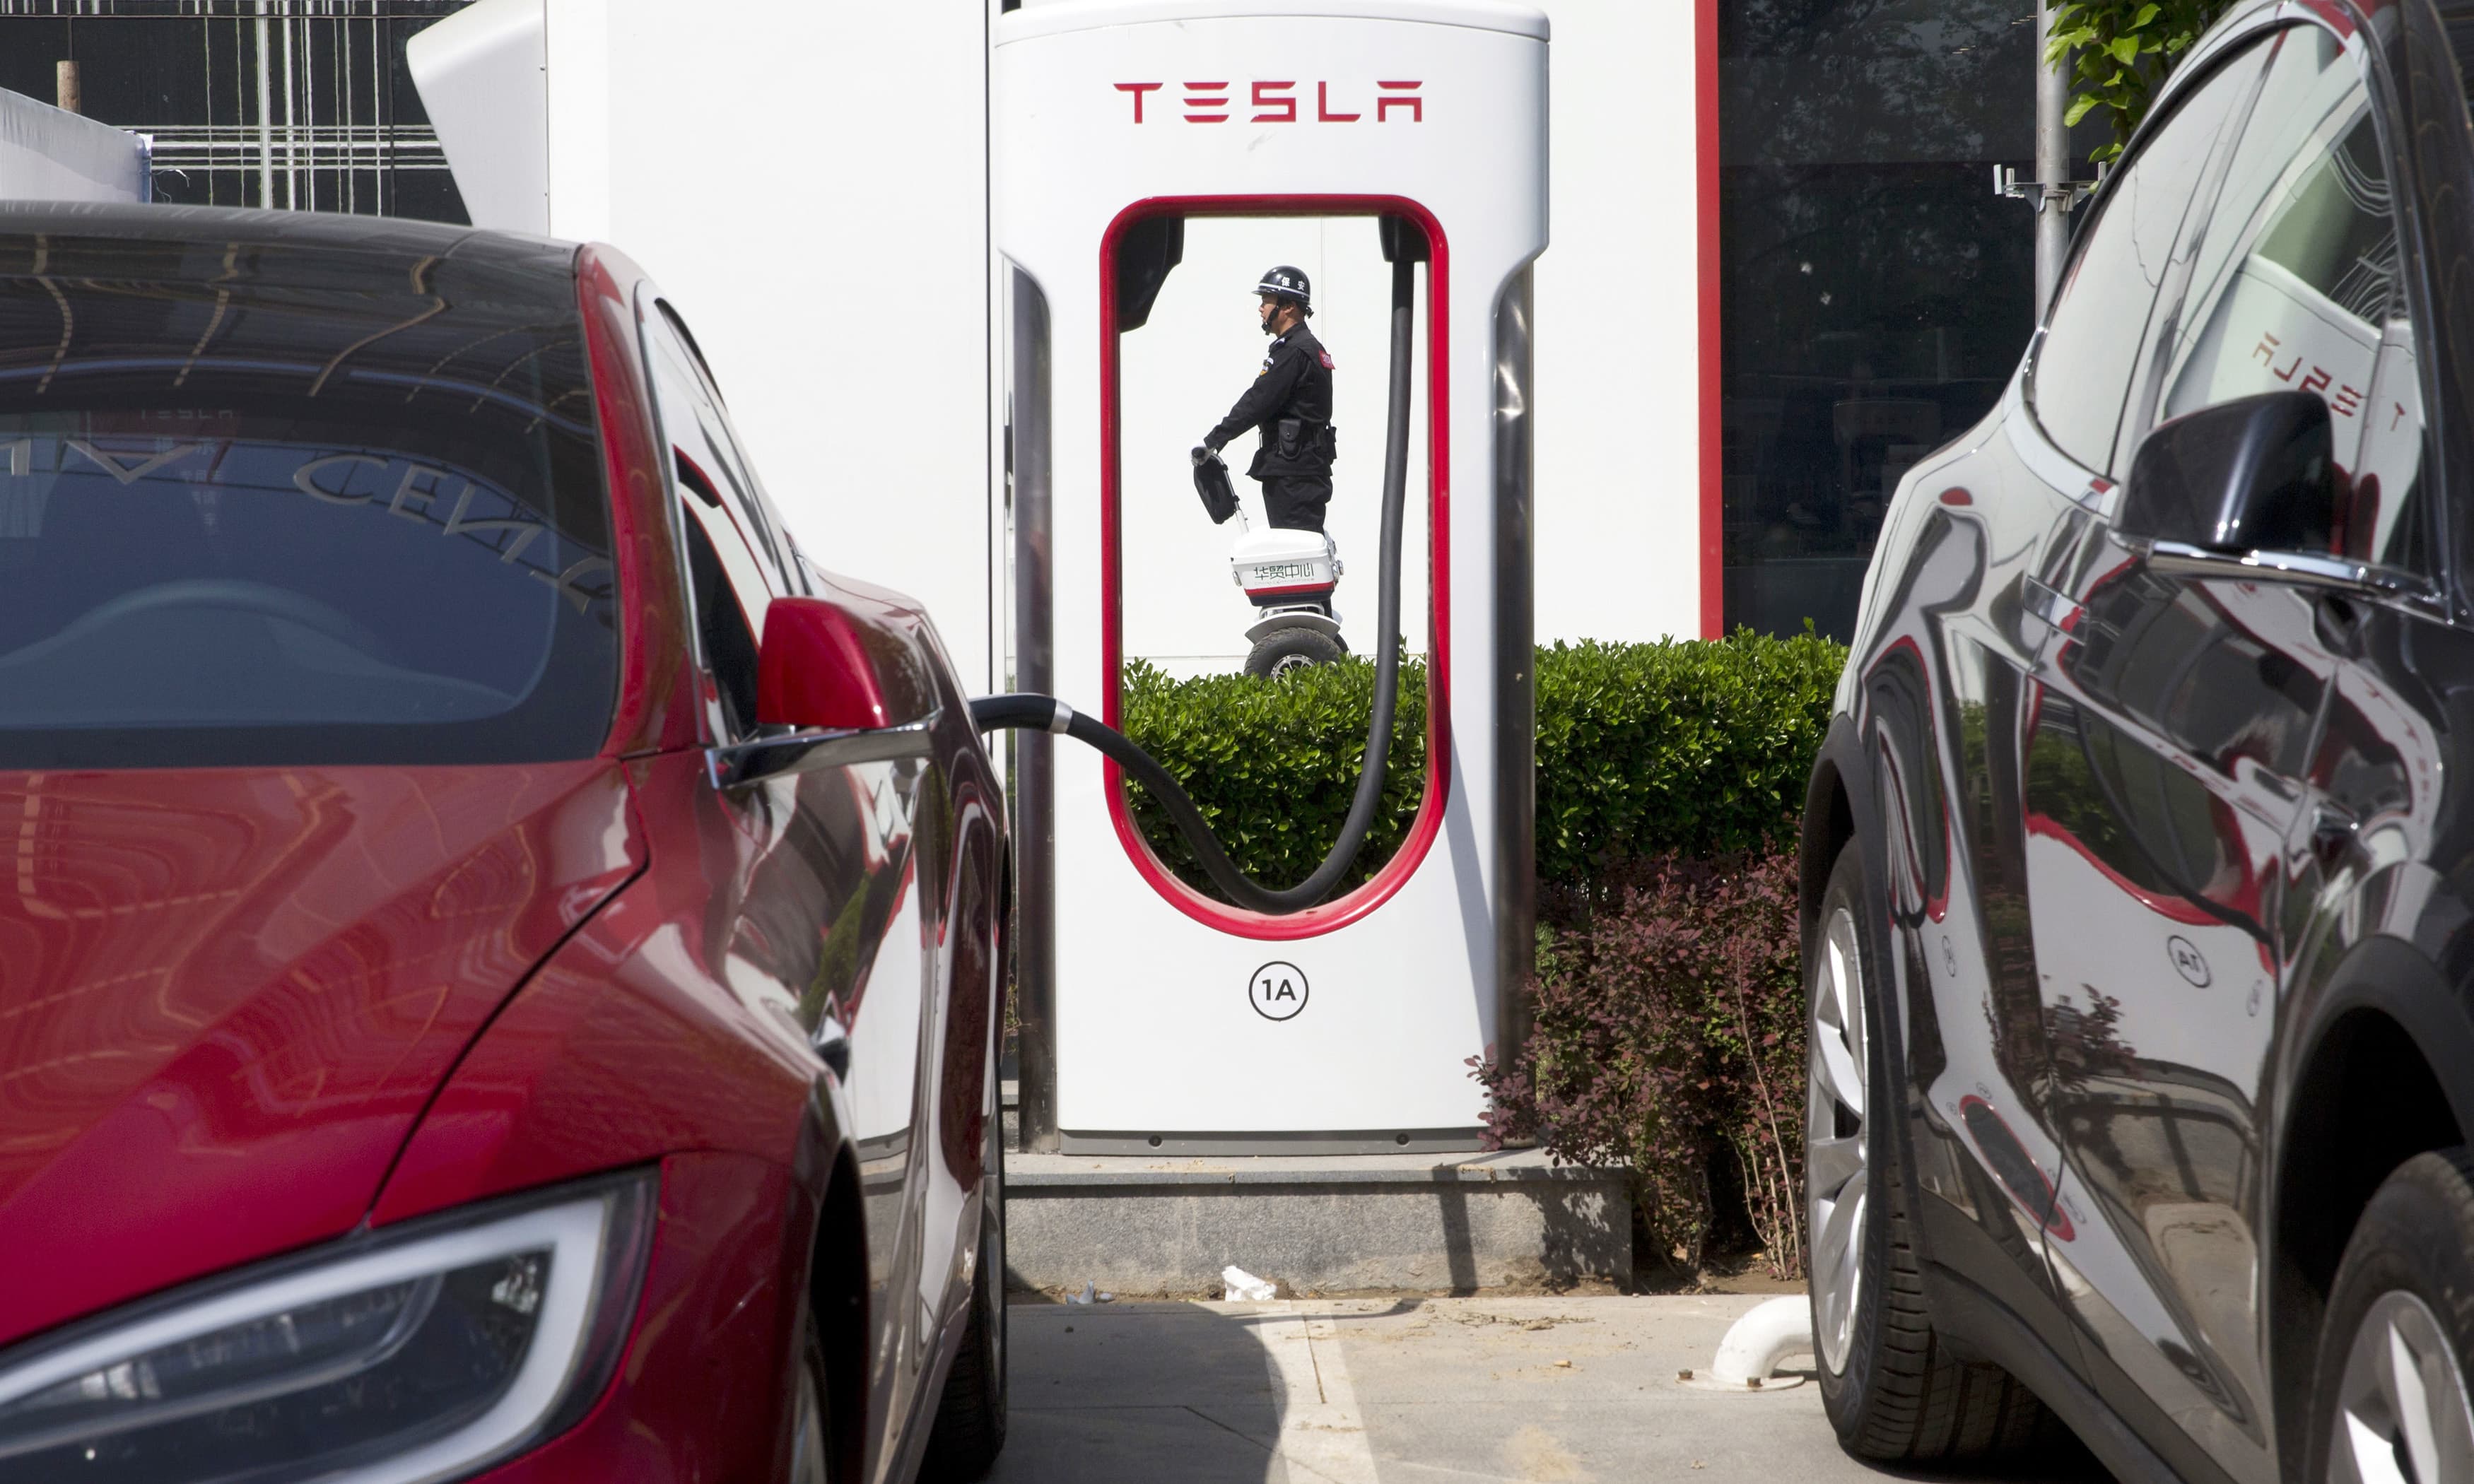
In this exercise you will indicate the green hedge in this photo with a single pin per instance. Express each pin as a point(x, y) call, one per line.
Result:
point(1273, 764)
point(1690, 746)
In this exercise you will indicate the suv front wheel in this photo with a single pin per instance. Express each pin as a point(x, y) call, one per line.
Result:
point(1891, 1389)
point(2391, 1402)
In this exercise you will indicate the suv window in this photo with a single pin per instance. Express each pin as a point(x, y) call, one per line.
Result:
point(329, 509)
point(2297, 288)
point(2083, 370)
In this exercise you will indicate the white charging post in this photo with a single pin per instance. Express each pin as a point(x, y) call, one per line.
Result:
point(1156, 1020)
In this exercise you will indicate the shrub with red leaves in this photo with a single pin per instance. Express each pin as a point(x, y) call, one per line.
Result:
point(1669, 1038)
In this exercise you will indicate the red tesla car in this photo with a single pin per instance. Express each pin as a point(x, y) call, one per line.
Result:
point(498, 953)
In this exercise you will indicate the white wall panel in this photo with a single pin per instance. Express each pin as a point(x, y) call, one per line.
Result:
point(484, 71)
point(1618, 494)
point(808, 182)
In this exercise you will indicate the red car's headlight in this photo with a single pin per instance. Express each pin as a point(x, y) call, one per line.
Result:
point(420, 1353)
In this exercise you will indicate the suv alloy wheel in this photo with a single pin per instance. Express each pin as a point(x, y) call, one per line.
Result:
point(2392, 1403)
point(1890, 1388)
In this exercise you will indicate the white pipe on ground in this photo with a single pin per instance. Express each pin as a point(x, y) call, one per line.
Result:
point(1768, 1335)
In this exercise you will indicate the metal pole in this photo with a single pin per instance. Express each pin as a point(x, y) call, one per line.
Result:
point(2053, 165)
point(265, 115)
point(1034, 763)
point(1515, 679)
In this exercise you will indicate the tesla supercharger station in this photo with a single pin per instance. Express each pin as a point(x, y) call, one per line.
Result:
point(1126, 132)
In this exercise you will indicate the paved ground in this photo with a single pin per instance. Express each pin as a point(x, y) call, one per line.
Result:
point(1410, 1391)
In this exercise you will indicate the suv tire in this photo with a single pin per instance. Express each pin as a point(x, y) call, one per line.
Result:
point(2390, 1396)
point(1890, 1386)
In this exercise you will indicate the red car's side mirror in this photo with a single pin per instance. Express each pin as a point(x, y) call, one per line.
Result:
point(831, 666)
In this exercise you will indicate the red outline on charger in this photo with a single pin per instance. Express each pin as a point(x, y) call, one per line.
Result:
point(1711, 357)
point(1328, 916)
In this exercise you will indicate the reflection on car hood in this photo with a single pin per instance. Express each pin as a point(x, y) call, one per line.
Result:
point(226, 995)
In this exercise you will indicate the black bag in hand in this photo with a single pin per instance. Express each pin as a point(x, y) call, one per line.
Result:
point(1211, 482)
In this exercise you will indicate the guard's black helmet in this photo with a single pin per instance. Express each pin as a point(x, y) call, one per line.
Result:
point(1290, 283)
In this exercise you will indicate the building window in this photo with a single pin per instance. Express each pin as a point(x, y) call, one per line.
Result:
point(1877, 294)
point(303, 104)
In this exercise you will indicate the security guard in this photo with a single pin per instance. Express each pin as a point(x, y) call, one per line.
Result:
point(1290, 404)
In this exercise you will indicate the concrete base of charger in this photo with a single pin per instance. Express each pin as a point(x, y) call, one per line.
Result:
point(1411, 1223)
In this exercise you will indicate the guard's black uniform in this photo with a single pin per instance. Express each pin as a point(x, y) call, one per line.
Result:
point(1290, 404)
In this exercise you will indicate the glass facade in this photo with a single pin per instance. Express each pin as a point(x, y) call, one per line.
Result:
point(304, 104)
point(1877, 294)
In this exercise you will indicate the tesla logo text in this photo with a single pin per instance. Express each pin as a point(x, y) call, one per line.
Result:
point(1266, 101)
point(2186, 960)
point(1278, 990)
point(2345, 402)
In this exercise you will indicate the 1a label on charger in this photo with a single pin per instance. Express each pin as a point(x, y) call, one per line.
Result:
point(1278, 990)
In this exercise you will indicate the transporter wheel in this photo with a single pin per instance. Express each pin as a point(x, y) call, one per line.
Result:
point(2389, 1399)
point(1286, 650)
point(970, 1429)
point(1888, 1384)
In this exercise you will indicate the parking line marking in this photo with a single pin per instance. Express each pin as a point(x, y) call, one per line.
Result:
point(1320, 1432)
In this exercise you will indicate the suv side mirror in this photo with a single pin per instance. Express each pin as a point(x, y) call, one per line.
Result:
point(830, 665)
point(2257, 473)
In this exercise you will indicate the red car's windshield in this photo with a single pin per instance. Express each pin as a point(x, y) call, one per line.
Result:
point(270, 505)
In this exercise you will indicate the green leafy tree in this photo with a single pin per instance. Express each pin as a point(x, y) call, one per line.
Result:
point(2120, 51)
